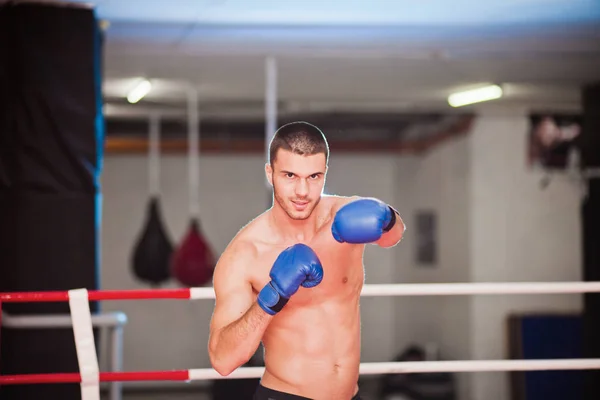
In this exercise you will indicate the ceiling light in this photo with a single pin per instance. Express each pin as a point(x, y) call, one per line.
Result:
point(486, 93)
point(139, 91)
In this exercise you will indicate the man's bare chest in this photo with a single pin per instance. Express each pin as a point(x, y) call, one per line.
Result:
point(342, 268)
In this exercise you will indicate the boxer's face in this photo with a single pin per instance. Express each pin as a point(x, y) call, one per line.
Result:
point(297, 181)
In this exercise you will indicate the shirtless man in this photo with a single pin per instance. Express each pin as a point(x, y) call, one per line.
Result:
point(292, 278)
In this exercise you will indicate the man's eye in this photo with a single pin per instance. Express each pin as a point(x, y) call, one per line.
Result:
point(314, 176)
point(289, 175)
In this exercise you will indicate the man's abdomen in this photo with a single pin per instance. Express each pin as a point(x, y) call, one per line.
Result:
point(314, 351)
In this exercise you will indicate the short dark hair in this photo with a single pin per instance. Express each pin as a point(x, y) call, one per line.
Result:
point(300, 138)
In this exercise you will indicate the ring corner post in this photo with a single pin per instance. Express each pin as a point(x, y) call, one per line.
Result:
point(0, 342)
point(50, 108)
point(590, 220)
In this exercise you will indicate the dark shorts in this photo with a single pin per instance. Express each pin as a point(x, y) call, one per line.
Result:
point(263, 393)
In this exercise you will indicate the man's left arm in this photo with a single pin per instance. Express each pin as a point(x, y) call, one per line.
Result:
point(367, 220)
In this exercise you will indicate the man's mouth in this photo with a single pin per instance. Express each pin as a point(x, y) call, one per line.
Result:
point(300, 205)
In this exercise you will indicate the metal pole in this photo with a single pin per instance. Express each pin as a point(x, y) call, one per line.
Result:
point(116, 360)
point(193, 151)
point(270, 101)
point(270, 111)
point(154, 155)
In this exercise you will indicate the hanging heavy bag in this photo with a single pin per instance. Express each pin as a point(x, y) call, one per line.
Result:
point(194, 262)
point(153, 250)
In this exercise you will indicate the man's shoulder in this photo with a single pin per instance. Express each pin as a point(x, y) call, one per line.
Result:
point(251, 231)
point(335, 202)
point(244, 243)
point(241, 246)
point(235, 258)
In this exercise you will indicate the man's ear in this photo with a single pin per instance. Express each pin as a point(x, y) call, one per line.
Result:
point(269, 173)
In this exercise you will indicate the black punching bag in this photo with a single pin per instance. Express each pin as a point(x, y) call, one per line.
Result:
point(152, 250)
point(590, 159)
point(51, 141)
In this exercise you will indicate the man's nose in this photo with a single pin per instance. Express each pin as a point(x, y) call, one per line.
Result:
point(302, 188)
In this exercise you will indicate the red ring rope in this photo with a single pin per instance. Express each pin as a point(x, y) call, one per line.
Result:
point(193, 293)
point(180, 375)
point(97, 295)
point(368, 290)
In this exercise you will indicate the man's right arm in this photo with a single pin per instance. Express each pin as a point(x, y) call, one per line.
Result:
point(238, 322)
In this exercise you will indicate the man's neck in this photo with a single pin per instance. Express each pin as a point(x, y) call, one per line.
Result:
point(291, 229)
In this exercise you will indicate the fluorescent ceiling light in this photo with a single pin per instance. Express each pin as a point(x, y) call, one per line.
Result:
point(139, 91)
point(475, 96)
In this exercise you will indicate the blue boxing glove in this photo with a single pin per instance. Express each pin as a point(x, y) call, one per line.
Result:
point(296, 266)
point(362, 221)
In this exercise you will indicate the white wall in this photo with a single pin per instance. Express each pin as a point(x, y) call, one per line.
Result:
point(173, 334)
point(518, 232)
point(495, 224)
point(373, 176)
point(438, 181)
point(164, 334)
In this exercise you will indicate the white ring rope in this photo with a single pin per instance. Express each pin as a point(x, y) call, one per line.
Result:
point(446, 289)
point(441, 289)
point(377, 368)
point(427, 289)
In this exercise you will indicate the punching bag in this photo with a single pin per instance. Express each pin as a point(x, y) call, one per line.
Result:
point(152, 252)
point(193, 262)
point(153, 249)
point(51, 142)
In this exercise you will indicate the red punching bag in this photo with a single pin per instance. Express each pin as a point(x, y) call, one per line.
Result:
point(193, 262)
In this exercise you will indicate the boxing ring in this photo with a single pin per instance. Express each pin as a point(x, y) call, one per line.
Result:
point(90, 375)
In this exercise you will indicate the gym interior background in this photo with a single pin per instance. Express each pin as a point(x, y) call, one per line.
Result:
point(481, 201)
